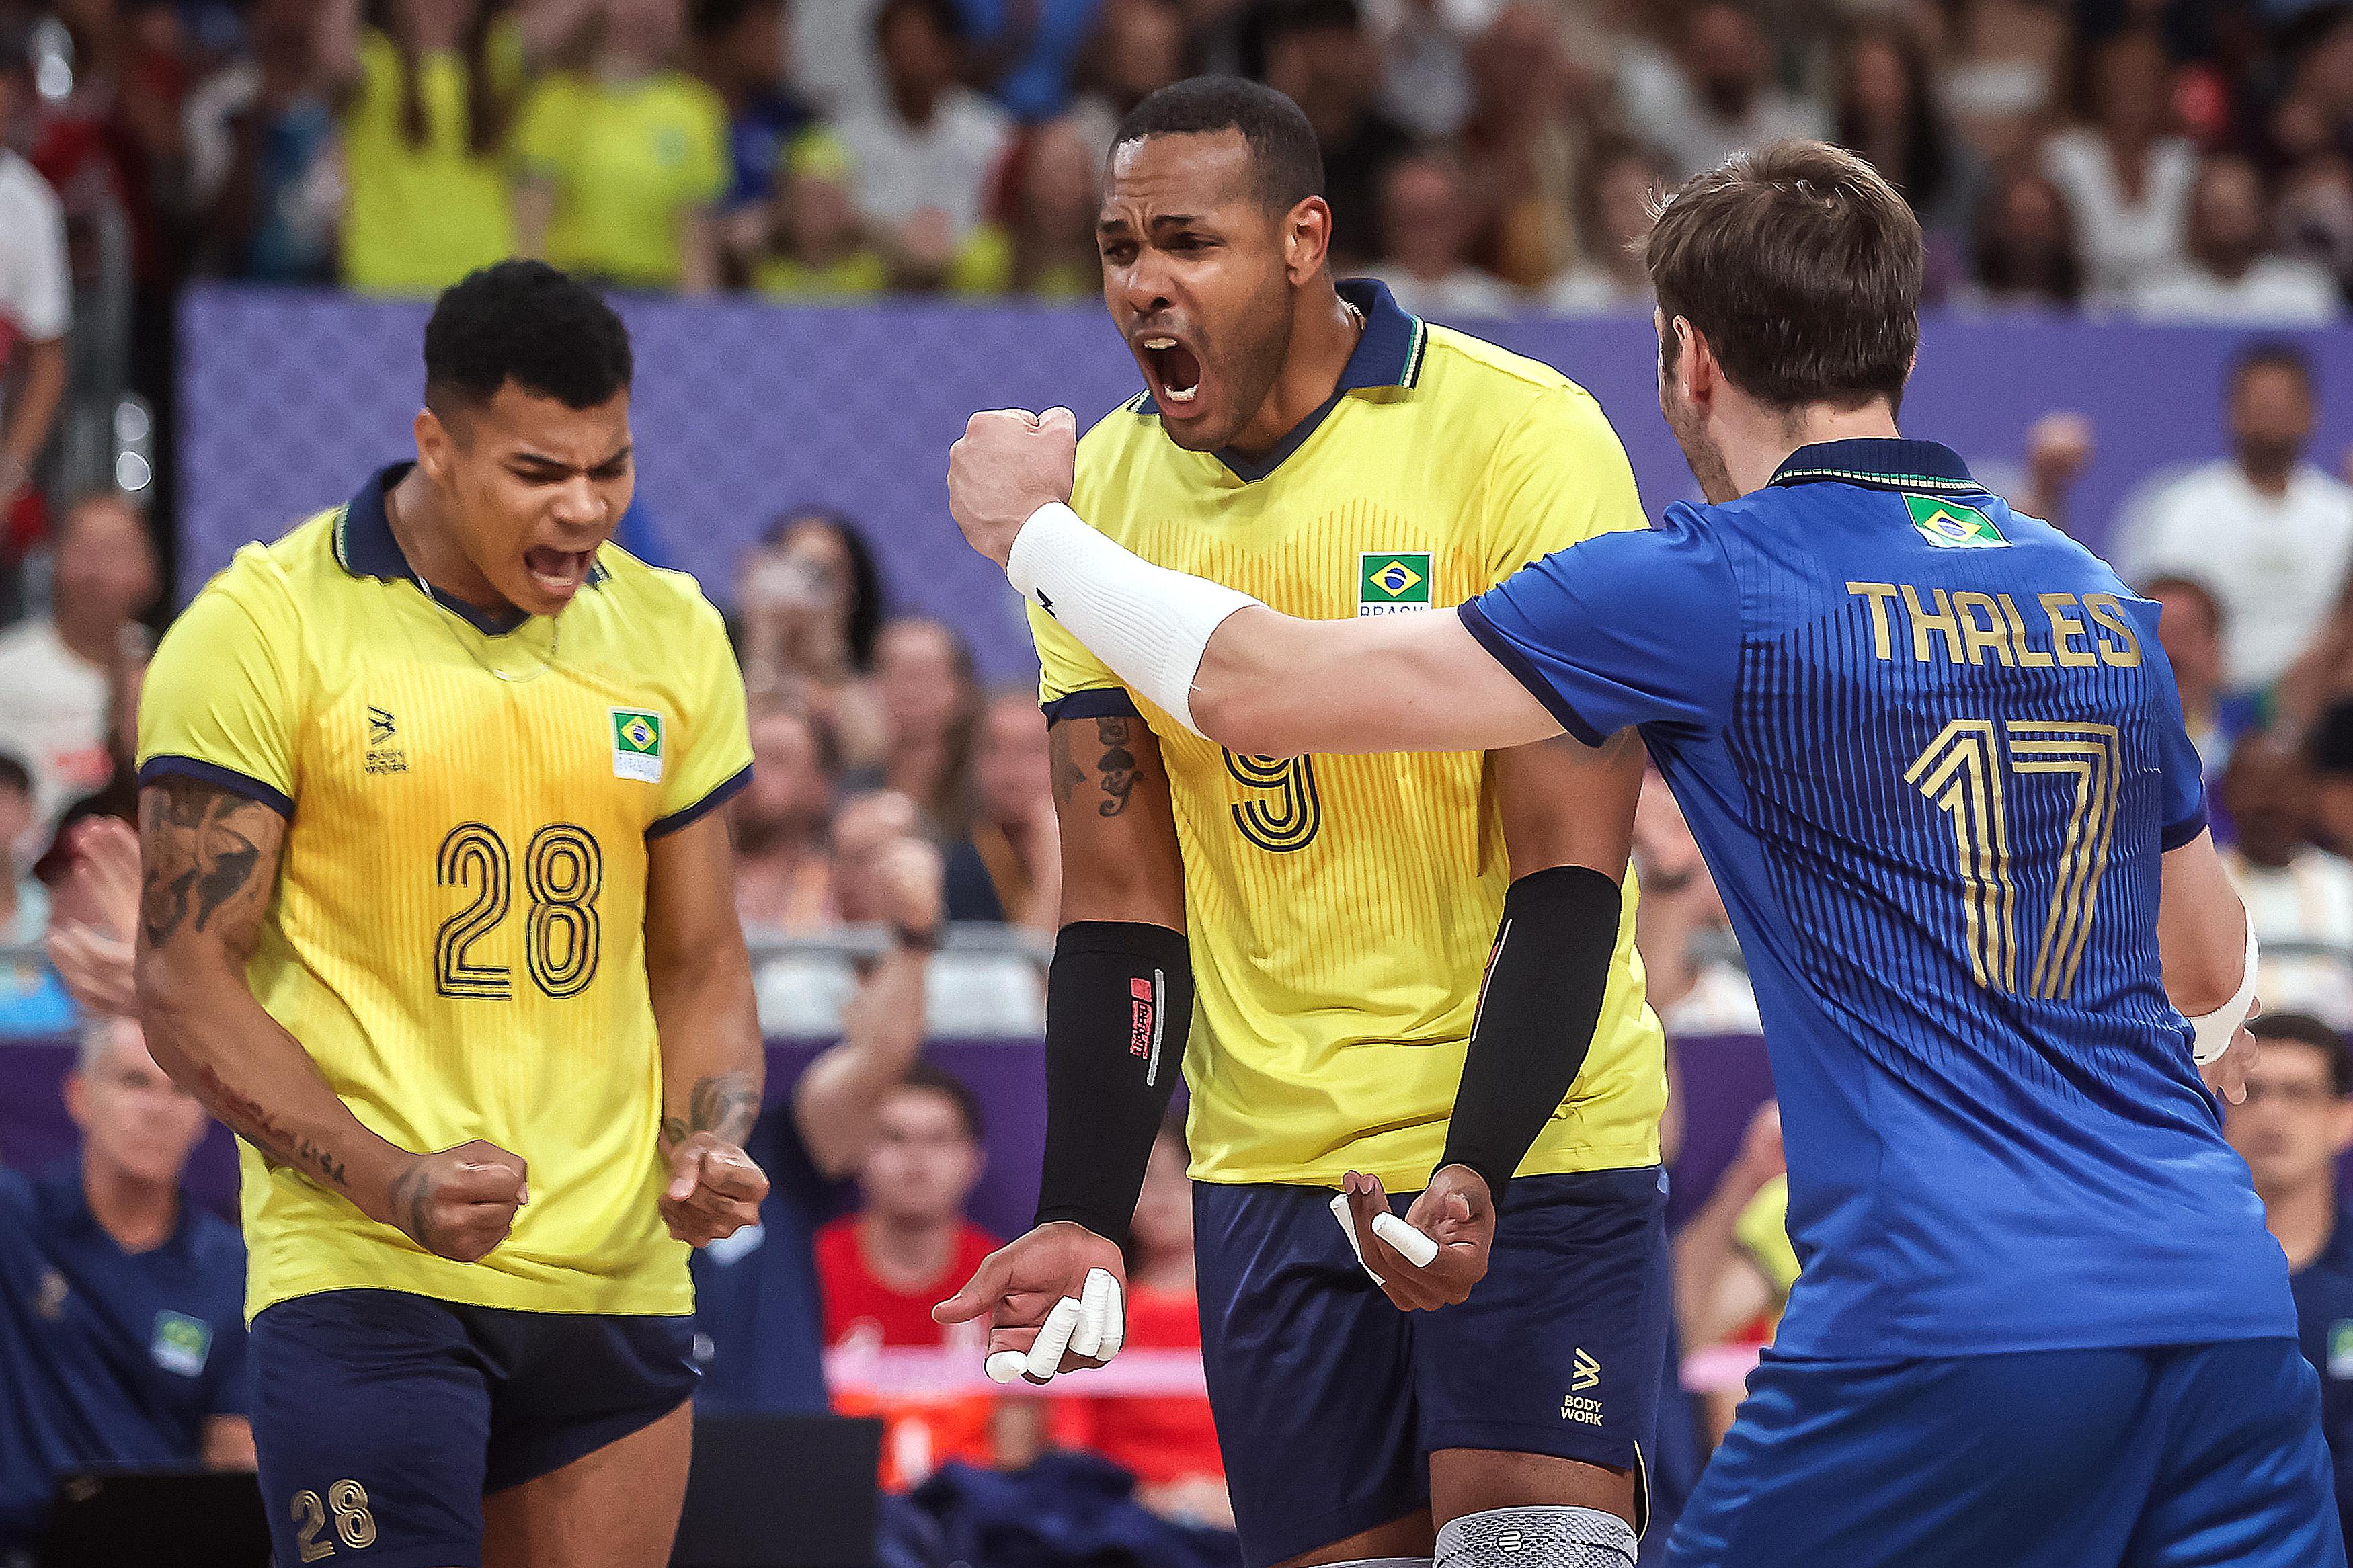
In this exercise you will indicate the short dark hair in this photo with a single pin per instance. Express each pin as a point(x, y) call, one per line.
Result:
point(1283, 153)
point(1802, 268)
point(713, 20)
point(2190, 587)
point(2269, 354)
point(928, 1080)
point(945, 18)
point(15, 774)
point(2304, 1029)
point(526, 322)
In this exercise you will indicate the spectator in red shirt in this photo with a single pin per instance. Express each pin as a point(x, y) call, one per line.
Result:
point(1168, 1442)
point(908, 1245)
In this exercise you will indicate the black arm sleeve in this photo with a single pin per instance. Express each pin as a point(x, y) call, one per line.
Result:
point(1536, 1014)
point(1119, 1003)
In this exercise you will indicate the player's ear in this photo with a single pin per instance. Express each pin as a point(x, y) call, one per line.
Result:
point(434, 446)
point(1306, 238)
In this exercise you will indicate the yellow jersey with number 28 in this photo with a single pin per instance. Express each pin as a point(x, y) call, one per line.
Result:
point(458, 933)
point(1341, 908)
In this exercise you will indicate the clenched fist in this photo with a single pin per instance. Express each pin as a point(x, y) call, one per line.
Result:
point(1008, 464)
point(460, 1203)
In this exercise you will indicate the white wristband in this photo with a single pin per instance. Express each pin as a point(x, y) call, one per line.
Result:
point(2211, 1035)
point(1149, 624)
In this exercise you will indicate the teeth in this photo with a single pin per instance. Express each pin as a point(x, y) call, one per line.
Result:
point(1160, 342)
point(1187, 396)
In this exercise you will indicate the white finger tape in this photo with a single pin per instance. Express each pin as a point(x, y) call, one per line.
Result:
point(1340, 1211)
point(1006, 1366)
point(1089, 1333)
point(1053, 1339)
point(1114, 1333)
point(1418, 1249)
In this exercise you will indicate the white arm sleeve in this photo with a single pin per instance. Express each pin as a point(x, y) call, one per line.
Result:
point(1149, 624)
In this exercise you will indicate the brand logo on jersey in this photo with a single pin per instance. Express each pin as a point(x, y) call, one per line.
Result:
point(1949, 525)
point(382, 758)
point(2340, 1348)
point(181, 1344)
point(1392, 580)
point(636, 745)
point(1586, 1373)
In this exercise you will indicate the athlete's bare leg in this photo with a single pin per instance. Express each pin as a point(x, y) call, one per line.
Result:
point(617, 1508)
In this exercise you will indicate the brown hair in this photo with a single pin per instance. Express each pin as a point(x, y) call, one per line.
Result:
point(1802, 268)
point(486, 108)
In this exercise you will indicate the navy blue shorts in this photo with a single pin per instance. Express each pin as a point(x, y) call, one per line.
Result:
point(1329, 1400)
point(387, 1416)
point(2172, 1456)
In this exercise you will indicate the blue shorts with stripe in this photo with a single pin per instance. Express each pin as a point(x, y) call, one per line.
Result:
point(2162, 1457)
point(390, 1415)
point(1329, 1400)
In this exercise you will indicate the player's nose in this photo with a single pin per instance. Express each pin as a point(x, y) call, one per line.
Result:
point(579, 504)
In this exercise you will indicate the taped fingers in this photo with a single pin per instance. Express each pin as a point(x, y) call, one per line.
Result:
point(1344, 1212)
point(1053, 1339)
point(1417, 1249)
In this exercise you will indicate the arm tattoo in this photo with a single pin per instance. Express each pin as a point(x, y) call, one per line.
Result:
point(252, 1120)
point(410, 1204)
point(1116, 769)
point(202, 857)
point(724, 1105)
point(1067, 773)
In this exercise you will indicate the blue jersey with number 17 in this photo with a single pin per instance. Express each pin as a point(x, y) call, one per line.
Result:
point(1933, 753)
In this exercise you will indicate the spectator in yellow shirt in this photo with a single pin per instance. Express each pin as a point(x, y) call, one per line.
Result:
point(426, 100)
point(623, 162)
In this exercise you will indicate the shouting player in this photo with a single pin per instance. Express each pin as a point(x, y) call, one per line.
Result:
point(438, 917)
point(1320, 923)
point(1933, 754)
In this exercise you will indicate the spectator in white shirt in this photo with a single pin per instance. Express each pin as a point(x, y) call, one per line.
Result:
point(56, 670)
point(1717, 97)
point(2270, 534)
point(2226, 276)
point(2125, 179)
point(1426, 241)
point(921, 156)
point(36, 299)
point(2299, 897)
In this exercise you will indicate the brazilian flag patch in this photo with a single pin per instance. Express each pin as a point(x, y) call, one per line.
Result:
point(1391, 580)
point(1951, 525)
point(636, 745)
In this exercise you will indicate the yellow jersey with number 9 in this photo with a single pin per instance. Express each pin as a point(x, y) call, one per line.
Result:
point(1341, 908)
point(457, 937)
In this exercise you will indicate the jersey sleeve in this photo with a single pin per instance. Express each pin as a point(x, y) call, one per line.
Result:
point(223, 694)
point(1559, 477)
point(714, 756)
point(1627, 629)
point(1072, 683)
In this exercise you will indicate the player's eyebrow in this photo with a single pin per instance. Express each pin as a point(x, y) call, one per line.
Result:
point(540, 463)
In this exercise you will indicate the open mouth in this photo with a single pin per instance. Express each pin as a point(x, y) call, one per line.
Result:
point(1176, 370)
point(558, 570)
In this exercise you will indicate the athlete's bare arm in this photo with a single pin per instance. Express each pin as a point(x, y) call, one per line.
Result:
point(209, 864)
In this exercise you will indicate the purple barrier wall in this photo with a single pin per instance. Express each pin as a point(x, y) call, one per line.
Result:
point(1724, 1079)
point(289, 398)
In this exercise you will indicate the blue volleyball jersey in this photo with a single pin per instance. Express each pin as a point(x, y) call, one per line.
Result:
point(1933, 753)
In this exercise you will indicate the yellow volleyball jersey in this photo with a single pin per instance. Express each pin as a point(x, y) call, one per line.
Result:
point(458, 937)
point(1341, 909)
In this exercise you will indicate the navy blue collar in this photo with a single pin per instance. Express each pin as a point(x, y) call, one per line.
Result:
point(1882, 462)
point(366, 547)
point(1387, 354)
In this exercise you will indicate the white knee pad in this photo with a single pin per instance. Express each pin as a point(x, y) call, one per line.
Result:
point(1536, 1538)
